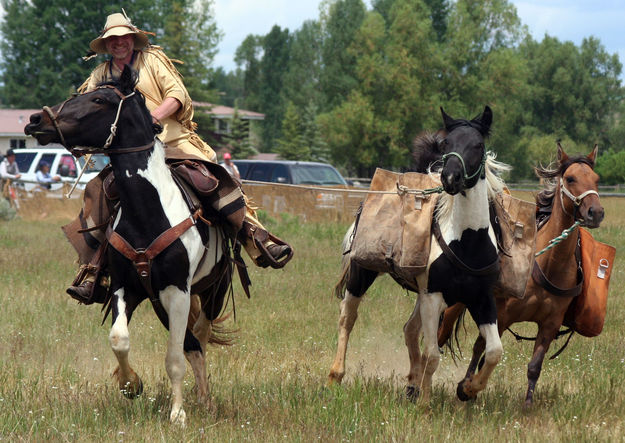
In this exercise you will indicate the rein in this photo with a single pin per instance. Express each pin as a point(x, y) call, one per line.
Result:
point(54, 117)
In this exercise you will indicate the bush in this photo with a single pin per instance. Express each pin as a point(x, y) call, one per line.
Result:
point(6, 211)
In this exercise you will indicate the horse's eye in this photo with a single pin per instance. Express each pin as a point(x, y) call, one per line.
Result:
point(98, 101)
point(570, 180)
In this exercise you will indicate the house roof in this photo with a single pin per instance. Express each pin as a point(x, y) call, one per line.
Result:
point(12, 121)
point(220, 111)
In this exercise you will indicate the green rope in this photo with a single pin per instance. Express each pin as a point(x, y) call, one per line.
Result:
point(558, 239)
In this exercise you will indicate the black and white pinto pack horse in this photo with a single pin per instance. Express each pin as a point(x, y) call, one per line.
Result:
point(153, 220)
point(463, 267)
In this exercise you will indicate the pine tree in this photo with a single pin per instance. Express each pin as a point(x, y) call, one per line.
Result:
point(311, 135)
point(291, 145)
point(239, 137)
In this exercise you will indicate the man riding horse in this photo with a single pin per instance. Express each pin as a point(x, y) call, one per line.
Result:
point(172, 110)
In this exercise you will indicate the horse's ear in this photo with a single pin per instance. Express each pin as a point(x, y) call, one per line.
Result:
point(447, 120)
point(127, 80)
point(562, 156)
point(593, 155)
point(485, 120)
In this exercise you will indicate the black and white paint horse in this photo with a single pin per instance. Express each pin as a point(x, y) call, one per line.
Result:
point(463, 267)
point(150, 205)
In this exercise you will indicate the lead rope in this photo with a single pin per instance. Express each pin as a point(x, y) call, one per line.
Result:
point(559, 238)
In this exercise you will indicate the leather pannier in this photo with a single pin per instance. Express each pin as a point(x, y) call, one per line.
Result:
point(517, 223)
point(586, 314)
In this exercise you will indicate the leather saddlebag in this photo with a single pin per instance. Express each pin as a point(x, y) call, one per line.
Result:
point(196, 175)
point(393, 230)
point(517, 243)
point(586, 314)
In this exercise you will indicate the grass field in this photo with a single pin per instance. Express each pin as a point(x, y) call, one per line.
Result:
point(56, 362)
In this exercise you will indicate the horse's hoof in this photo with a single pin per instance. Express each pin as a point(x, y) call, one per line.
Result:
point(132, 390)
point(412, 393)
point(178, 417)
point(463, 396)
point(334, 379)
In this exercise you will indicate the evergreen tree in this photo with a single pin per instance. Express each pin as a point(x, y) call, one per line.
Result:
point(311, 135)
point(291, 145)
point(43, 42)
point(273, 66)
point(338, 77)
point(247, 57)
point(239, 137)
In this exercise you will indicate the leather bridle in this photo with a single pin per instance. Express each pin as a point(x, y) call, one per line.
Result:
point(78, 151)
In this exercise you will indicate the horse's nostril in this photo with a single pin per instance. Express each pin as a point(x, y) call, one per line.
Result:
point(35, 118)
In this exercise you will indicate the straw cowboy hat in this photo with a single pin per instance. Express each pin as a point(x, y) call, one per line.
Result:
point(118, 24)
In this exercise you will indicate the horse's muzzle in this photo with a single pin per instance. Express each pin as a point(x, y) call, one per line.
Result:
point(594, 216)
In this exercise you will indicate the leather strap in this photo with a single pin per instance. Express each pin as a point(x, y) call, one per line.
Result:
point(541, 279)
point(492, 268)
point(142, 258)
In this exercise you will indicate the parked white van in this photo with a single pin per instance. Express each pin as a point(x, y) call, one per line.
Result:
point(61, 162)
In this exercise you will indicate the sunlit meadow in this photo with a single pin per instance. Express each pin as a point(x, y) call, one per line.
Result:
point(56, 363)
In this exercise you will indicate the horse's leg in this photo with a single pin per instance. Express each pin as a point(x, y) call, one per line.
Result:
point(546, 334)
point(347, 318)
point(412, 332)
point(129, 382)
point(176, 304)
point(358, 282)
point(200, 326)
point(485, 315)
point(431, 307)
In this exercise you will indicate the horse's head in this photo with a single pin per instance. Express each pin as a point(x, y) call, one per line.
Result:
point(578, 187)
point(464, 152)
point(111, 115)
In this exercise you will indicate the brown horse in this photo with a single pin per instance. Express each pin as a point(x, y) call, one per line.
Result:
point(571, 196)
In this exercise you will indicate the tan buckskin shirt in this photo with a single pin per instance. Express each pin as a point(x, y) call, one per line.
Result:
point(159, 79)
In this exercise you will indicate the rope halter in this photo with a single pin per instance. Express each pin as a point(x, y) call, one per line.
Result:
point(577, 200)
point(467, 177)
point(54, 116)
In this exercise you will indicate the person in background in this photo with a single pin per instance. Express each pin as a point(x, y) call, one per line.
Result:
point(9, 171)
point(8, 167)
point(230, 166)
point(44, 178)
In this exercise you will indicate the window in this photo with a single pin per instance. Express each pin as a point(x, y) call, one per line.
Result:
point(280, 174)
point(261, 172)
point(48, 158)
point(24, 160)
point(66, 167)
point(317, 175)
point(17, 143)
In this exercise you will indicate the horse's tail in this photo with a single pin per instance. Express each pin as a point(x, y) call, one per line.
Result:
point(339, 288)
point(220, 335)
point(341, 285)
point(449, 328)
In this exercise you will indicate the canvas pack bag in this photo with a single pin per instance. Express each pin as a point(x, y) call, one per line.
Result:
point(392, 233)
point(586, 314)
point(516, 223)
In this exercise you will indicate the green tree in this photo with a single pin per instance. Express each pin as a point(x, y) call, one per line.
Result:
point(247, 58)
point(239, 140)
point(273, 66)
point(338, 77)
point(291, 145)
point(191, 35)
point(311, 135)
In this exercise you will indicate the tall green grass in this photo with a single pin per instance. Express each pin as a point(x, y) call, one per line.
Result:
point(55, 360)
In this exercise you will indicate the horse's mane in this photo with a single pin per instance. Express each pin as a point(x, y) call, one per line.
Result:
point(494, 185)
point(548, 174)
point(426, 151)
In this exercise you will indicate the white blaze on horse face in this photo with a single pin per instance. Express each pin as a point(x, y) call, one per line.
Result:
point(174, 206)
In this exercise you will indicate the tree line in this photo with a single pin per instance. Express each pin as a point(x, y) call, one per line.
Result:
point(356, 85)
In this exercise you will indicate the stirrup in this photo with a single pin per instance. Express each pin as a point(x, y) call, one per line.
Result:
point(281, 257)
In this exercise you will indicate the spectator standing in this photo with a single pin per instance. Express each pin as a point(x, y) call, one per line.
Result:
point(8, 168)
point(230, 166)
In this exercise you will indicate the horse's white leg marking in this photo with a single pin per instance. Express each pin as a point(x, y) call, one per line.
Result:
point(492, 355)
point(347, 318)
point(432, 304)
point(176, 303)
point(412, 332)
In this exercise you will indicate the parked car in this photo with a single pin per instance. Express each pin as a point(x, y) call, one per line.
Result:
point(291, 172)
point(61, 162)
